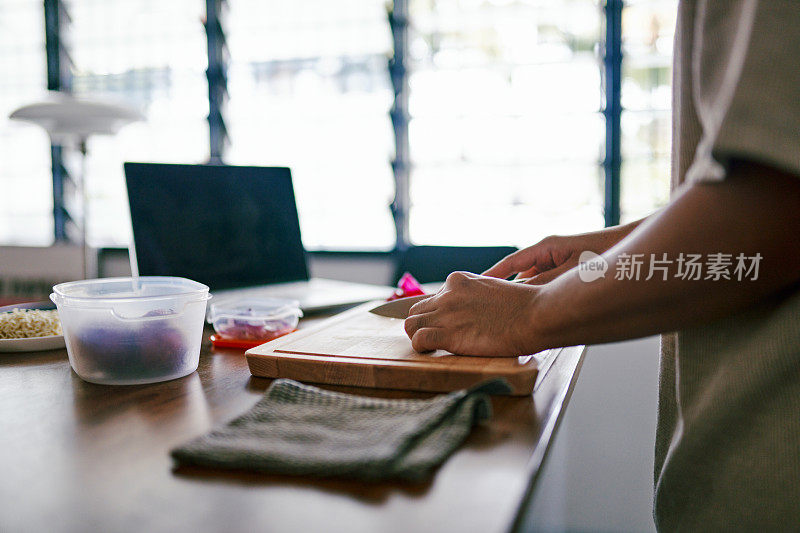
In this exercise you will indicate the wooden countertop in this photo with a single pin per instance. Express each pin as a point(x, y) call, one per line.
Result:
point(80, 457)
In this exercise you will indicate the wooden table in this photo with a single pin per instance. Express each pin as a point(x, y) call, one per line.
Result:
point(80, 457)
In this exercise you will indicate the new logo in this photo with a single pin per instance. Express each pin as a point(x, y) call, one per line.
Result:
point(591, 266)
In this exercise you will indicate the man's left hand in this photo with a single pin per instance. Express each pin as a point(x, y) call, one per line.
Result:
point(475, 315)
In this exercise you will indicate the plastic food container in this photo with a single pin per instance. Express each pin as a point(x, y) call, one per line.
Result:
point(254, 319)
point(129, 331)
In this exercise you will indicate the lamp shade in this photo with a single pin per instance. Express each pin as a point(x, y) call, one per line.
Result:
point(67, 118)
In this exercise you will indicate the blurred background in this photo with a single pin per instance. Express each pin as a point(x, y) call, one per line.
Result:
point(414, 122)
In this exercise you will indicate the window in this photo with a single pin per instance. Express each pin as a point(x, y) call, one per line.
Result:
point(506, 132)
point(309, 89)
point(151, 54)
point(26, 200)
point(648, 28)
point(505, 128)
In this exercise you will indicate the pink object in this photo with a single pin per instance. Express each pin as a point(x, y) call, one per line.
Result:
point(407, 286)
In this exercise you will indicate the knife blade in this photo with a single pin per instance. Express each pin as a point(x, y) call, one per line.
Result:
point(399, 308)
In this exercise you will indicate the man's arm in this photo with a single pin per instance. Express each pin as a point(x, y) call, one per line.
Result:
point(755, 210)
point(554, 255)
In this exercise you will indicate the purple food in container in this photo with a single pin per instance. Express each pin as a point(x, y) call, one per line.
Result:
point(130, 331)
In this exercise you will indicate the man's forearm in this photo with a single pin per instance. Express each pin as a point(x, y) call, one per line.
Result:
point(755, 211)
point(626, 229)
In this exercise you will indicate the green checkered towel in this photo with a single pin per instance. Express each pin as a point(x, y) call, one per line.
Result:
point(303, 430)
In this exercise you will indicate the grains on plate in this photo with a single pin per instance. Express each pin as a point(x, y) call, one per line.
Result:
point(26, 323)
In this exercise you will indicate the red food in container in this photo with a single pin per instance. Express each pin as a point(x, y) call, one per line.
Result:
point(246, 323)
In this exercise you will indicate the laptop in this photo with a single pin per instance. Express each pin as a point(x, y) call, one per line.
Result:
point(232, 228)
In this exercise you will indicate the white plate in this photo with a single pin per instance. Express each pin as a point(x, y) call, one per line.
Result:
point(32, 344)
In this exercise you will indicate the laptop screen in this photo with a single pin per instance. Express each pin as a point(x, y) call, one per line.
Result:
point(224, 226)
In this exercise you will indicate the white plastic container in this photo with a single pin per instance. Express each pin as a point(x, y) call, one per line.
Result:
point(129, 331)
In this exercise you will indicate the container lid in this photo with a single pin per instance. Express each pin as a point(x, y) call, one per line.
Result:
point(255, 308)
point(129, 289)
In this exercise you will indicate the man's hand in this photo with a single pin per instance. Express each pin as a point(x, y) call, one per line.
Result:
point(475, 315)
point(554, 255)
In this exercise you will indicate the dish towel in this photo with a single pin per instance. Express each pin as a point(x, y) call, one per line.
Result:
point(303, 430)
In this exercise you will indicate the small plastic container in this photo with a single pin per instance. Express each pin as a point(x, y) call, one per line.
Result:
point(130, 331)
point(254, 319)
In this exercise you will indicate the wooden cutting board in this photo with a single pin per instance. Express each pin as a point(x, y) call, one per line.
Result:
point(358, 348)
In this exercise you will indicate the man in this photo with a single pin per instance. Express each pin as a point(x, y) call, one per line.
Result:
point(728, 439)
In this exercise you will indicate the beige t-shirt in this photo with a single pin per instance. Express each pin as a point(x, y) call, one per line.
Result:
point(728, 436)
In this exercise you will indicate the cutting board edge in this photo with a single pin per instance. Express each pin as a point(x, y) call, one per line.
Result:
point(388, 374)
point(531, 368)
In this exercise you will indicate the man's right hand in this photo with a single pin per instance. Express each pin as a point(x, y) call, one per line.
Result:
point(554, 255)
